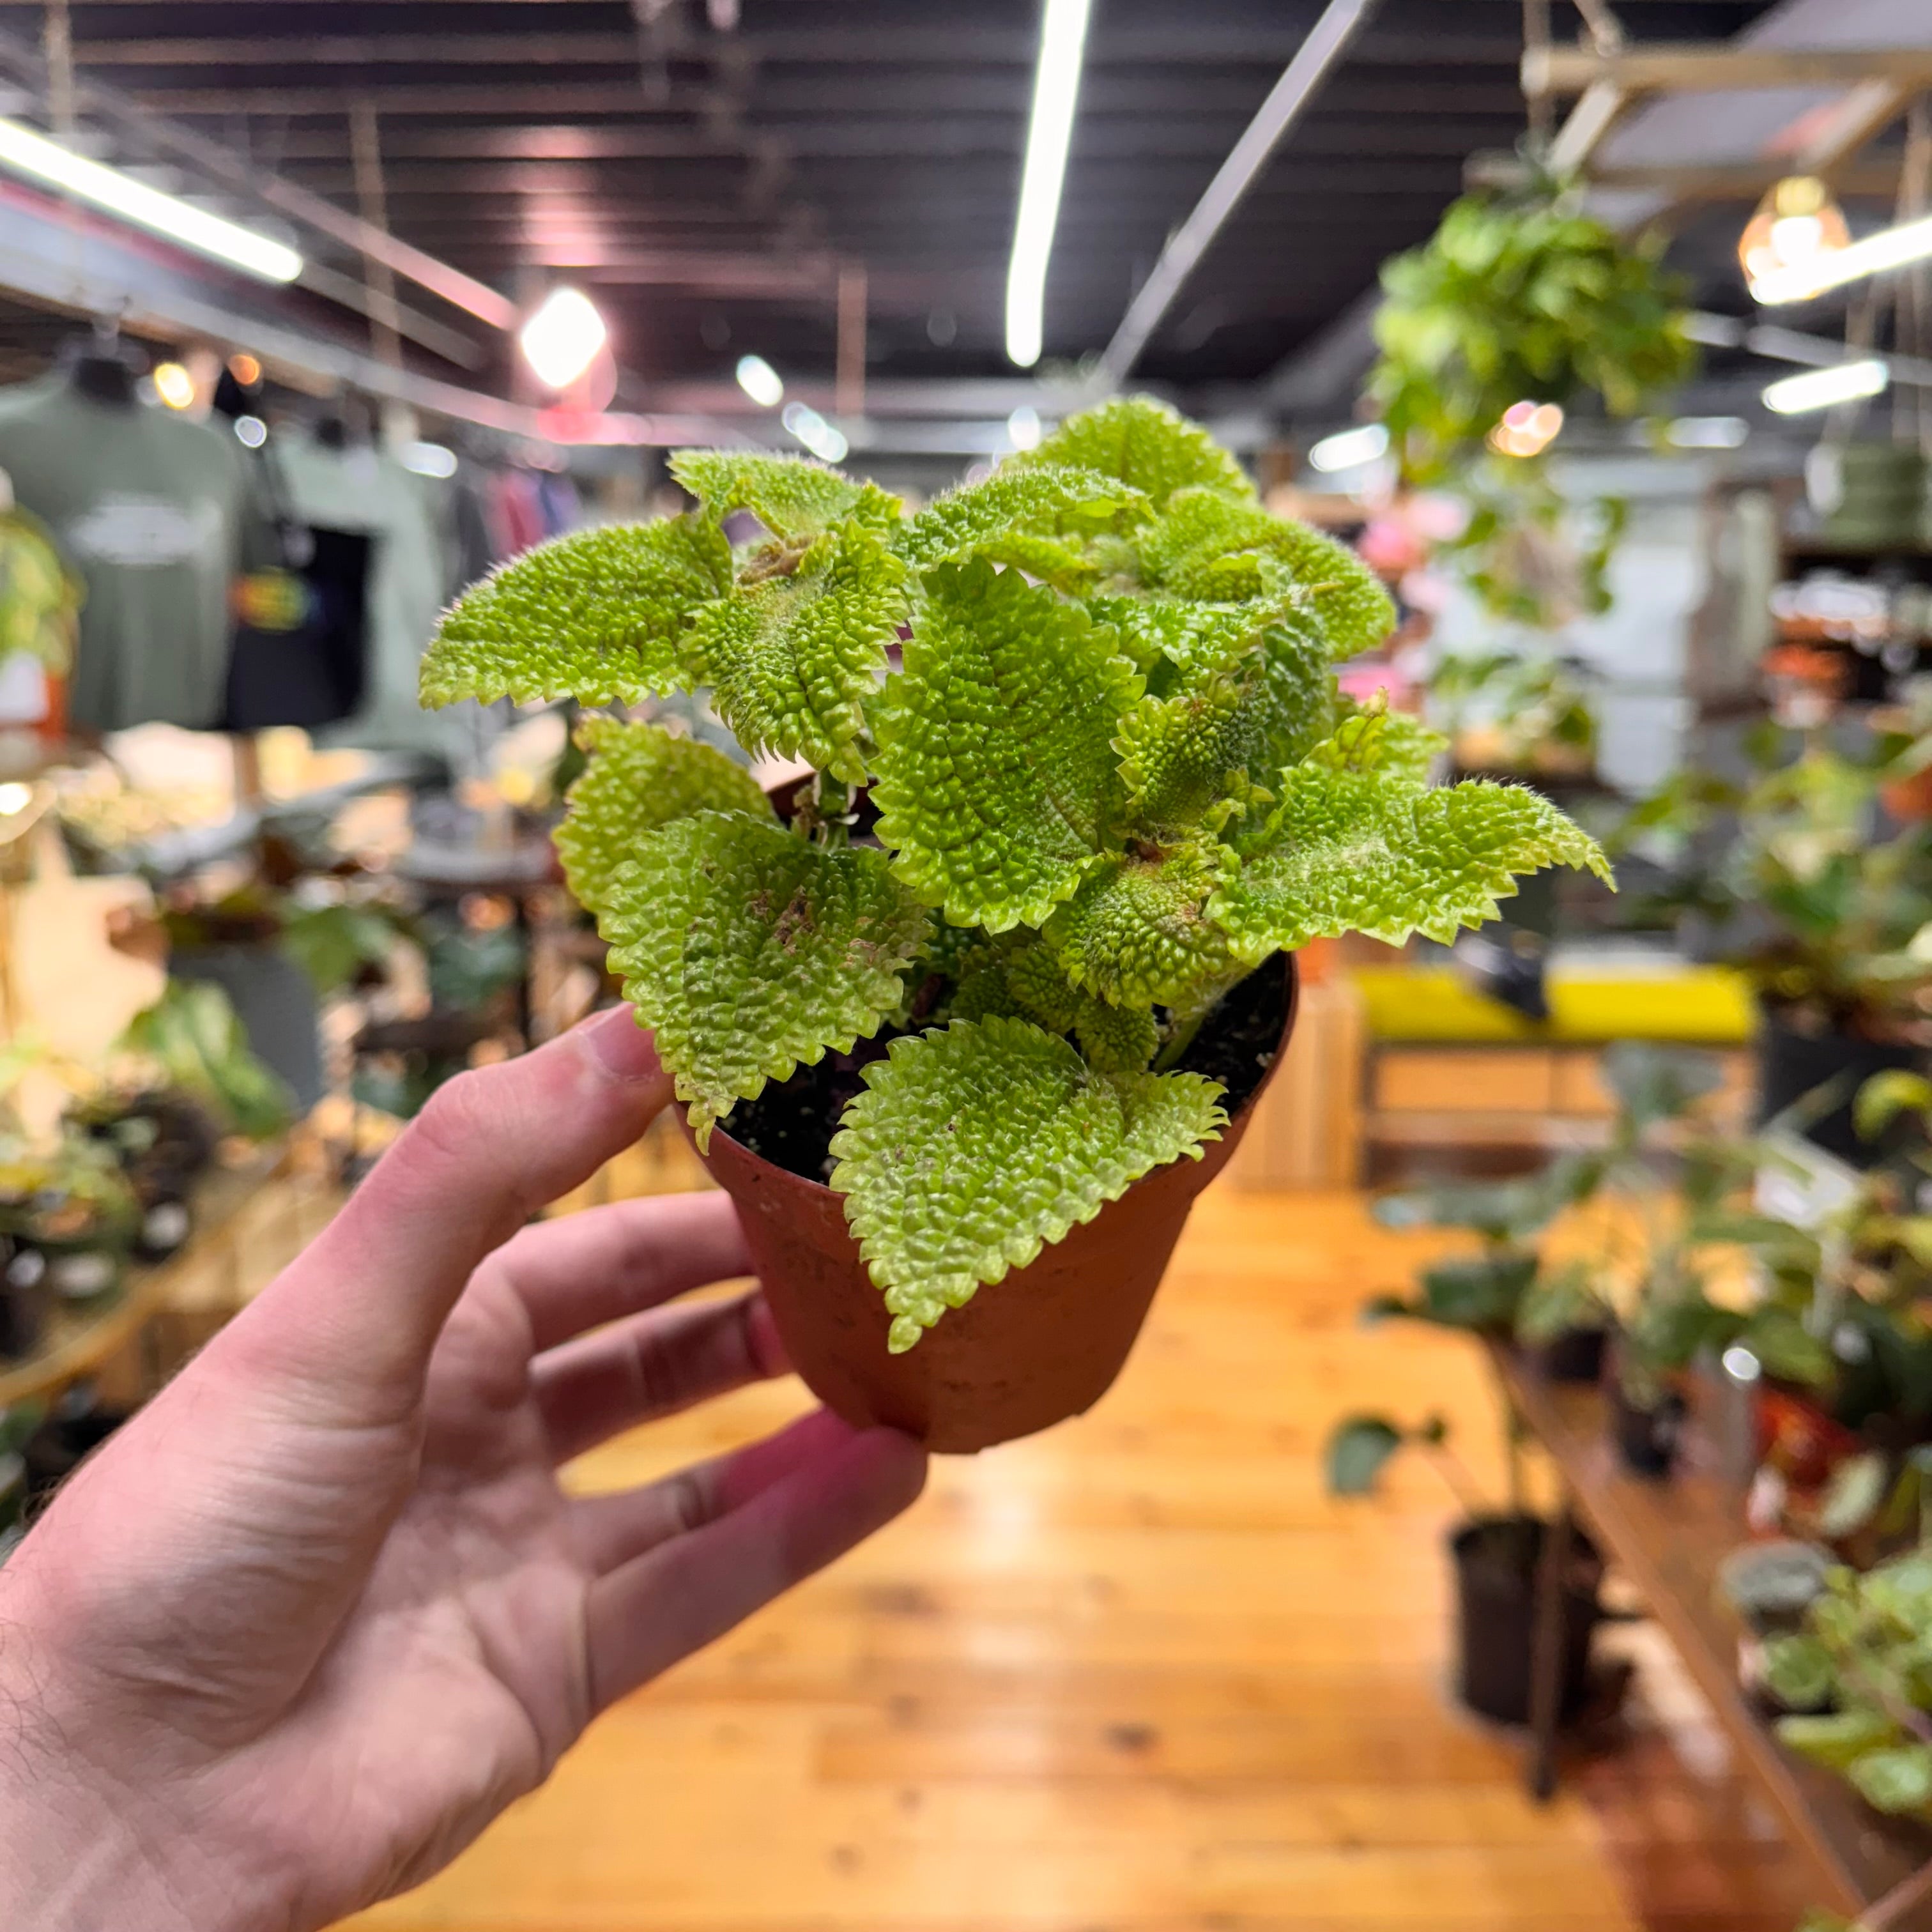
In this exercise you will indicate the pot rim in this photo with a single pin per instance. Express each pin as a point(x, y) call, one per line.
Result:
point(1289, 966)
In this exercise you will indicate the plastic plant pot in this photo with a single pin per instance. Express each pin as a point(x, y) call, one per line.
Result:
point(1044, 1343)
point(1496, 1560)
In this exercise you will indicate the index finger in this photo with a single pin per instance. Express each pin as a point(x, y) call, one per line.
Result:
point(361, 1309)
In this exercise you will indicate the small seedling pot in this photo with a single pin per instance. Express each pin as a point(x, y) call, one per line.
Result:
point(1574, 1355)
point(1496, 1560)
point(1043, 1343)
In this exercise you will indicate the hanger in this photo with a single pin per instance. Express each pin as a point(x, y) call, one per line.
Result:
point(102, 367)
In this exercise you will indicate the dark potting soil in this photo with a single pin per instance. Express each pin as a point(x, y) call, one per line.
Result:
point(791, 1122)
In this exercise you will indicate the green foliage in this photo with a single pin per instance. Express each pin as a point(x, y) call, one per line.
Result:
point(599, 616)
point(39, 597)
point(1866, 1650)
point(639, 777)
point(1529, 706)
point(1808, 890)
point(192, 1034)
point(1515, 301)
point(1120, 785)
point(975, 1145)
point(1359, 1450)
point(998, 787)
point(1349, 851)
point(747, 950)
point(793, 658)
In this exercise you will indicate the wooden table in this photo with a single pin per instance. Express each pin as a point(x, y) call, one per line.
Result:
point(1670, 1538)
point(79, 1339)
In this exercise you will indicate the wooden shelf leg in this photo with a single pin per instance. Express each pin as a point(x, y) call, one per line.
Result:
point(1546, 1659)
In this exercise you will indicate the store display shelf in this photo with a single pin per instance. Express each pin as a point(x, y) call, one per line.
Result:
point(80, 1340)
point(1670, 1538)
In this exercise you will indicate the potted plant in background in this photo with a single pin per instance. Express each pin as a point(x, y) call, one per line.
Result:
point(1043, 871)
point(1800, 883)
point(1496, 1554)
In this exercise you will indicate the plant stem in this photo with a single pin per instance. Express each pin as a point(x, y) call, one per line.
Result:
point(831, 798)
point(1899, 1900)
point(1450, 1466)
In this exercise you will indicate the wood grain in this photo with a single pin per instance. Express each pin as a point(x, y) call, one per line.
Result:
point(1136, 1675)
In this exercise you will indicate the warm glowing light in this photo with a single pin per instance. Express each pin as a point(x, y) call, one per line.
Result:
point(1821, 388)
point(1796, 230)
point(1056, 89)
point(429, 459)
point(824, 440)
point(173, 385)
point(1527, 429)
point(14, 798)
point(561, 340)
point(29, 153)
point(1023, 427)
point(251, 431)
point(1348, 449)
point(244, 369)
point(760, 382)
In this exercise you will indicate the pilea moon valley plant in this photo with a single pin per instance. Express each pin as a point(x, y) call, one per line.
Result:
point(1089, 700)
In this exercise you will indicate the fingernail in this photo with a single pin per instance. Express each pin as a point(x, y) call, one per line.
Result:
point(619, 1045)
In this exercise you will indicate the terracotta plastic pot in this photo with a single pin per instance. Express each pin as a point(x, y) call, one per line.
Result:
point(1044, 1343)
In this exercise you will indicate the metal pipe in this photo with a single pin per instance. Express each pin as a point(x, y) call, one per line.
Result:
point(1327, 39)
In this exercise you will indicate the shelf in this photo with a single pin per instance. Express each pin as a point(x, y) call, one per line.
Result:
point(1671, 1538)
point(81, 1339)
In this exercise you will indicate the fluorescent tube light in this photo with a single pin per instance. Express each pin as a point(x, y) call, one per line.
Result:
point(1819, 388)
point(1348, 447)
point(29, 153)
point(1889, 248)
point(760, 382)
point(1056, 87)
point(1707, 432)
point(429, 459)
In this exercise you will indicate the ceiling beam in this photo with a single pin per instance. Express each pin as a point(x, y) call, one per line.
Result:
point(1667, 67)
point(1499, 168)
point(1847, 125)
point(1599, 107)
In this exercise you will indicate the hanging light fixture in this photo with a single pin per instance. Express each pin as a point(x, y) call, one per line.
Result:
point(1797, 228)
point(562, 340)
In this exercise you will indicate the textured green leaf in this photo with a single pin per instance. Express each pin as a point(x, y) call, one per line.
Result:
point(793, 658)
point(1003, 517)
point(1374, 853)
point(795, 499)
point(599, 616)
point(639, 777)
point(1207, 546)
point(749, 950)
point(1114, 1039)
point(1145, 443)
point(1139, 931)
point(975, 1145)
point(997, 784)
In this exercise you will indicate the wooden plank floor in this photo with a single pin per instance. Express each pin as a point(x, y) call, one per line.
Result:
point(1137, 1674)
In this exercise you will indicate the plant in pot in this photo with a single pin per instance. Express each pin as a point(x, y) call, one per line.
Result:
point(164, 1140)
point(1509, 714)
point(1495, 1554)
point(1798, 881)
point(1505, 1292)
point(965, 1019)
point(1518, 308)
point(71, 1216)
point(191, 1041)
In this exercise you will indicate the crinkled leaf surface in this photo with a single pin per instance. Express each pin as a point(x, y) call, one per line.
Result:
point(1209, 546)
point(997, 782)
point(639, 777)
point(1145, 443)
point(748, 950)
point(1138, 932)
point(975, 1145)
point(794, 498)
point(1375, 853)
point(599, 616)
point(793, 659)
point(1044, 500)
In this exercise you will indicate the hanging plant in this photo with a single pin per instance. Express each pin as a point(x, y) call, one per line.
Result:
point(1513, 305)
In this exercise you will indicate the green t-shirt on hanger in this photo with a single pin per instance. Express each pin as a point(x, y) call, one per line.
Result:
point(149, 508)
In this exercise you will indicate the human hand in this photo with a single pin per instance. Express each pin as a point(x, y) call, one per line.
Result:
point(320, 1611)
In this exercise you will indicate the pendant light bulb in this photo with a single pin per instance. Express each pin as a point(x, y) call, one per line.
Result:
point(1796, 229)
point(562, 339)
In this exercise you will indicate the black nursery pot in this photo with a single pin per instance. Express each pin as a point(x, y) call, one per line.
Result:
point(1647, 1439)
point(1496, 1560)
point(1574, 1355)
point(1791, 1064)
point(24, 1296)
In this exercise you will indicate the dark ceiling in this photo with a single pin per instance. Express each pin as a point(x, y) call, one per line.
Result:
point(707, 185)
